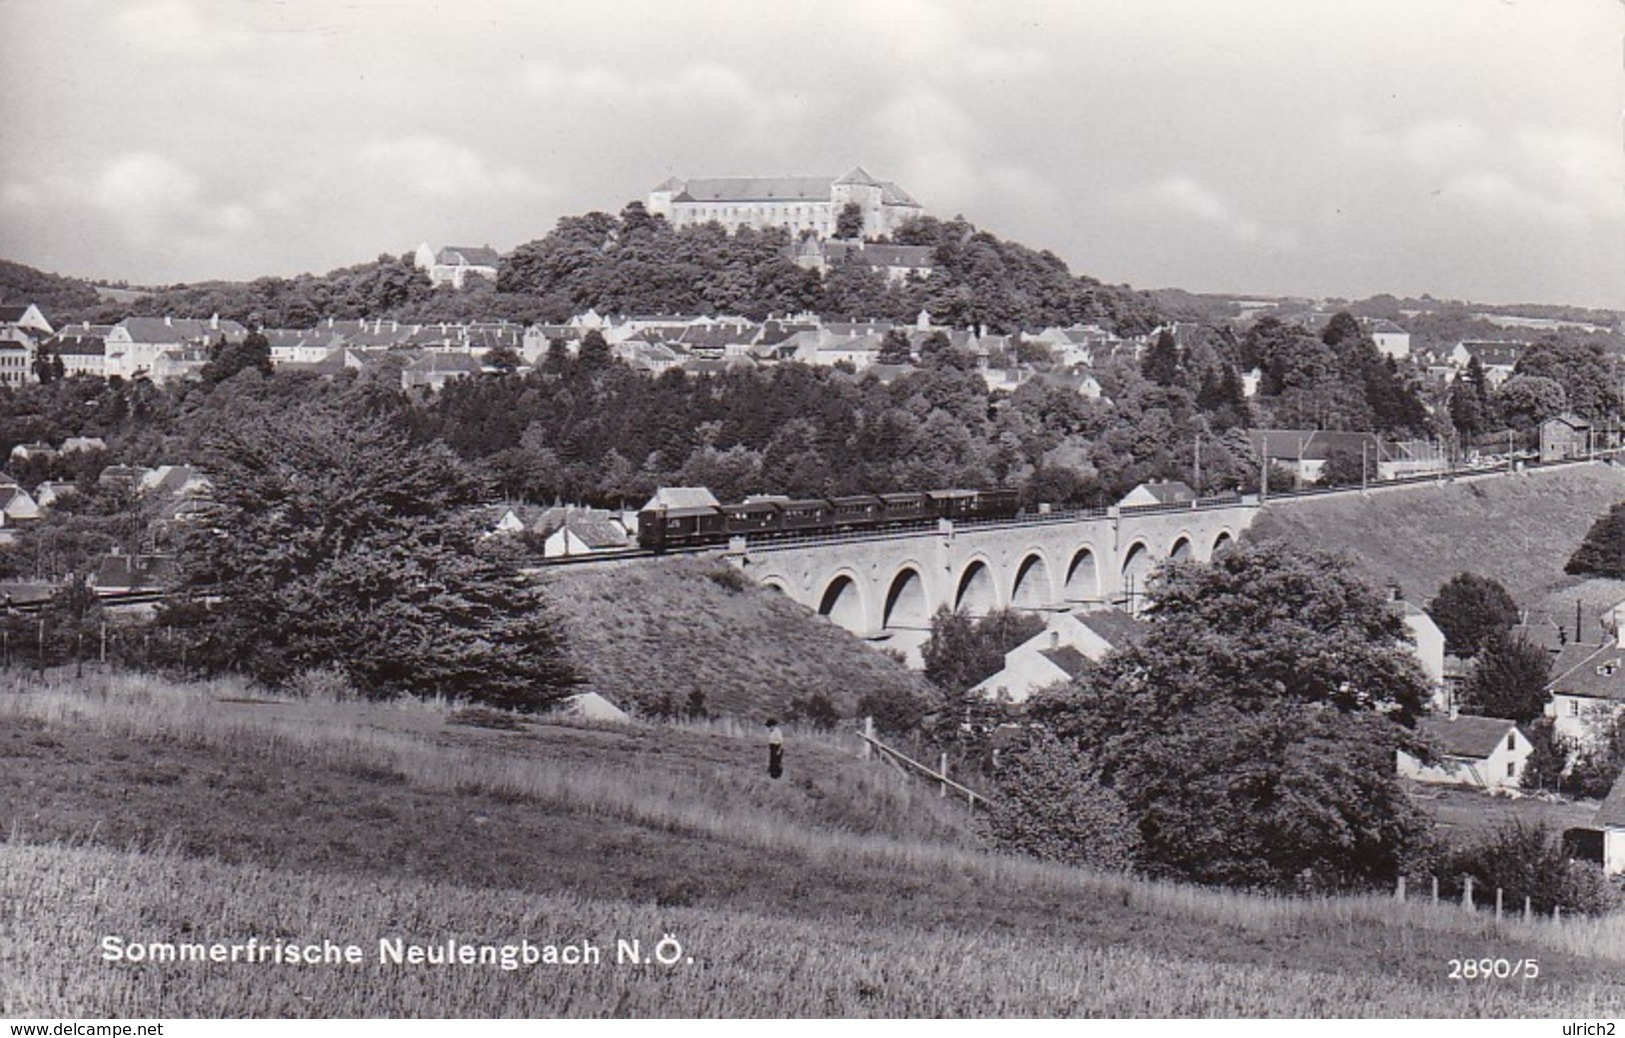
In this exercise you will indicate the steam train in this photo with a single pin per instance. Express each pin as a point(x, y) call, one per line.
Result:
point(666, 529)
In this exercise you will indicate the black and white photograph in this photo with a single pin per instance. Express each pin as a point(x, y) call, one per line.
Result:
point(887, 509)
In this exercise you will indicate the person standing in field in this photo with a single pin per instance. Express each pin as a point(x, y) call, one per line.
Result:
point(775, 749)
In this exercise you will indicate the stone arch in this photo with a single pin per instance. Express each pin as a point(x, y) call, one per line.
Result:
point(1031, 587)
point(1083, 576)
point(1181, 550)
point(1223, 542)
point(908, 604)
point(977, 592)
point(842, 601)
point(1138, 565)
point(776, 584)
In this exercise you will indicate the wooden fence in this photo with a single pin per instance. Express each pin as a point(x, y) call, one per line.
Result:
point(1470, 902)
point(906, 765)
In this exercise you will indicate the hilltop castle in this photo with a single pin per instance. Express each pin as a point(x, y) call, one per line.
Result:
point(796, 203)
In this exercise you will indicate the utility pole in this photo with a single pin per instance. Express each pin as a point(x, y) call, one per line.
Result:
point(1264, 471)
point(1198, 487)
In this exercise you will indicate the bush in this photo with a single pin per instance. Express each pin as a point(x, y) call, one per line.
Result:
point(1527, 860)
point(323, 684)
point(1048, 805)
point(896, 712)
point(817, 711)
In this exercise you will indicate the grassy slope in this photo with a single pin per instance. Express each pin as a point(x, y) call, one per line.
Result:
point(1520, 530)
point(638, 630)
point(838, 891)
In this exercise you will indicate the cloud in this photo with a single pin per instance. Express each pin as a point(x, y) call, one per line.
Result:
point(1555, 175)
point(704, 86)
point(174, 27)
point(440, 168)
point(144, 198)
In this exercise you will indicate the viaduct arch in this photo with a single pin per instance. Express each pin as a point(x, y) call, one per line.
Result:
point(888, 586)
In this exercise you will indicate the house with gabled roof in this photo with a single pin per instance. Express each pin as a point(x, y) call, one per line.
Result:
point(1487, 753)
point(681, 497)
point(433, 369)
point(583, 534)
point(1159, 492)
point(1068, 645)
point(455, 265)
point(1497, 358)
point(1587, 687)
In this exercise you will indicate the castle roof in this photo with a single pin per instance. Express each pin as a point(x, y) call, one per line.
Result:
point(757, 189)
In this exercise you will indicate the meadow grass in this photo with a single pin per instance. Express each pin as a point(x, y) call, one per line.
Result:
point(845, 891)
point(63, 901)
point(1519, 529)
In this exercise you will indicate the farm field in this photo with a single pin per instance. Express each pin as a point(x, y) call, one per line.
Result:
point(169, 813)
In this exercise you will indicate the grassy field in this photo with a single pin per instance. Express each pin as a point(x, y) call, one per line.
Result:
point(681, 624)
point(161, 813)
point(1520, 530)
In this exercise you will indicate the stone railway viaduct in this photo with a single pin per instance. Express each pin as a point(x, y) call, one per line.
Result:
point(887, 586)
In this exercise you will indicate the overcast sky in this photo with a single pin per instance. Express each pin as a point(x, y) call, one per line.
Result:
point(1464, 148)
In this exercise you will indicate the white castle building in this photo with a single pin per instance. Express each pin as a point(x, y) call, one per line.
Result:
point(797, 203)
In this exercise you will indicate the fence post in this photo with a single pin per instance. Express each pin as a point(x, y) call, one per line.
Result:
point(1557, 914)
point(1498, 904)
point(1399, 890)
point(868, 735)
point(1467, 894)
point(1435, 889)
point(1526, 908)
point(942, 790)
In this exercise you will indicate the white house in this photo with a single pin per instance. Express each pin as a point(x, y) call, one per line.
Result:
point(1391, 340)
point(1610, 822)
point(1429, 649)
point(1588, 685)
point(583, 535)
point(1069, 643)
point(455, 264)
point(1484, 752)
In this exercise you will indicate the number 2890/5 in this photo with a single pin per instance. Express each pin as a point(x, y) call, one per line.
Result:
point(1496, 969)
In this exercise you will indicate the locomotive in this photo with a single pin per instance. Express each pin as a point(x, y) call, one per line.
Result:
point(666, 529)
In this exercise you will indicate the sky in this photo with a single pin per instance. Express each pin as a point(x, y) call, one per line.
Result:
point(1467, 149)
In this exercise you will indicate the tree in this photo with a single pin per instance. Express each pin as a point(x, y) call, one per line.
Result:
point(228, 358)
point(1252, 732)
point(1469, 608)
point(1527, 400)
point(894, 348)
point(1602, 552)
point(1162, 360)
point(594, 354)
point(1546, 768)
point(1509, 679)
point(962, 651)
point(849, 222)
point(337, 543)
point(1348, 468)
